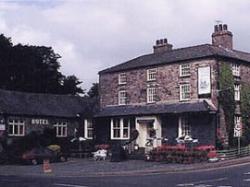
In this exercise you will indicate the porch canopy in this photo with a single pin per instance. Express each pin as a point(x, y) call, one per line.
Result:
point(176, 108)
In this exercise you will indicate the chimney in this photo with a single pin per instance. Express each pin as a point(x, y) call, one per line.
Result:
point(222, 37)
point(162, 45)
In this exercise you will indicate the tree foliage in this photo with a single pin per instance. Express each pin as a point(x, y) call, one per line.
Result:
point(33, 69)
point(245, 112)
point(94, 90)
point(226, 98)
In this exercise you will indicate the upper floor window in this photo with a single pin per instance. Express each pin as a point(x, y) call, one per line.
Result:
point(184, 70)
point(122, 78)
point(61, 129)
point(120, 128)
point(151, 74)
point(16, 128)
point(236, 70)
point(184, 127)
point(236, 92)
point(88, 129)
point(122, 97)
point(184, 92)
point(151, 95)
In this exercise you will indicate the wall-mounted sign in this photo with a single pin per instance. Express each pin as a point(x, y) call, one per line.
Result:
point(204, 80)
point(39, 122)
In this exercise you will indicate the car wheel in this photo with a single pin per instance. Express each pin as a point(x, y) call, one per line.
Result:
point(34, 162)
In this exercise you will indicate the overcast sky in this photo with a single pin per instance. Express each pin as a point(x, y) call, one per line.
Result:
point(91, 35)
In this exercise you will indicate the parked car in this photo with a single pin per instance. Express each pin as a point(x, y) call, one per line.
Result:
point(37, 155)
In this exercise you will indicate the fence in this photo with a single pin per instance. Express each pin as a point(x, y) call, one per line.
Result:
point(234, 153)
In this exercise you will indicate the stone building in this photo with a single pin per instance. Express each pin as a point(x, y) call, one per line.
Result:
point(173, 92)
point(21, 113)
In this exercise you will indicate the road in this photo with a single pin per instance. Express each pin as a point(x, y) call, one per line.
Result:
point(236, 176)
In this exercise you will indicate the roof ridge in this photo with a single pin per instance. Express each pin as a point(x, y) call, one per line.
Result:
point(37, 94)
point(155, 54)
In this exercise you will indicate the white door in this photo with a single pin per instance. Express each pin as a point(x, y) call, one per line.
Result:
point(142, 125)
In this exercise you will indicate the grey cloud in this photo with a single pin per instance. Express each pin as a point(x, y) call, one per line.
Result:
point(96, 34)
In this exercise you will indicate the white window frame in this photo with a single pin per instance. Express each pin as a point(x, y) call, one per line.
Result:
point(151, 74)
point(121, 128)
point(236, 92)
point(59, 129)
point(122, 78)
point(122, 97)
point(151, 94)
point(185, 70)
point(185, 92)
point(184, 128)
point(16, 123)
point(236, 69)
point(88, 126)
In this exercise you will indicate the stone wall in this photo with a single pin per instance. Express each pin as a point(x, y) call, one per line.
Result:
point(167, 84)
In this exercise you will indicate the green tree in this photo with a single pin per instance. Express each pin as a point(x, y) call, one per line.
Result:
point(245, 112)
point(94, 90)
point(226, 98)
point(33, 69)
point(71, 85)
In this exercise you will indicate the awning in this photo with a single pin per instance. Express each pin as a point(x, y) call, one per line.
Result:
point(176, 108)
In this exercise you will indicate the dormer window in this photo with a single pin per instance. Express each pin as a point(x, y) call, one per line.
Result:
point(184, 70)
point(122, 78)
point(151, 74)
point(236, 70)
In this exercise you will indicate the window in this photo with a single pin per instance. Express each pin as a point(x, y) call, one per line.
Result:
point(120, 128)
point(184, 127)
point(122, 97)
point(184, 70)
point(61, 129)
point(16, 127)
point(184, 92)
point(88, 129)
point(236, 92)
point(151, 95)
point(122, 78)
point(151, 74)
point(236, 70)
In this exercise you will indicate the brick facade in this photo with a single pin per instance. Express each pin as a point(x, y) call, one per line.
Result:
point(167, 84)
point(206, 126)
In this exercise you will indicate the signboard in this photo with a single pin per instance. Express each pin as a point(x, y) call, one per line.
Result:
point(39, 122)
point(204, 80)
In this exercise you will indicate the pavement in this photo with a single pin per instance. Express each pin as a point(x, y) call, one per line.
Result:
point(90, 168)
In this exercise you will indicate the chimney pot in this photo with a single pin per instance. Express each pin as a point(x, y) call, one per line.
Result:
point(222, 37)
point(162, 45)
point(225, 27)
point(220, 27)
point(216, 28)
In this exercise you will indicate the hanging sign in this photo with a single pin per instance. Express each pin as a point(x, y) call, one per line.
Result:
point(204, 80)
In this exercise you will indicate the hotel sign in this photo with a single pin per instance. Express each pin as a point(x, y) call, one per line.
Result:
point(39, 121)
point(204, 80)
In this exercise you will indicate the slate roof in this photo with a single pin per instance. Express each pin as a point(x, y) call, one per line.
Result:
point(21, 103)
point(182, 54)
point(176, 108)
